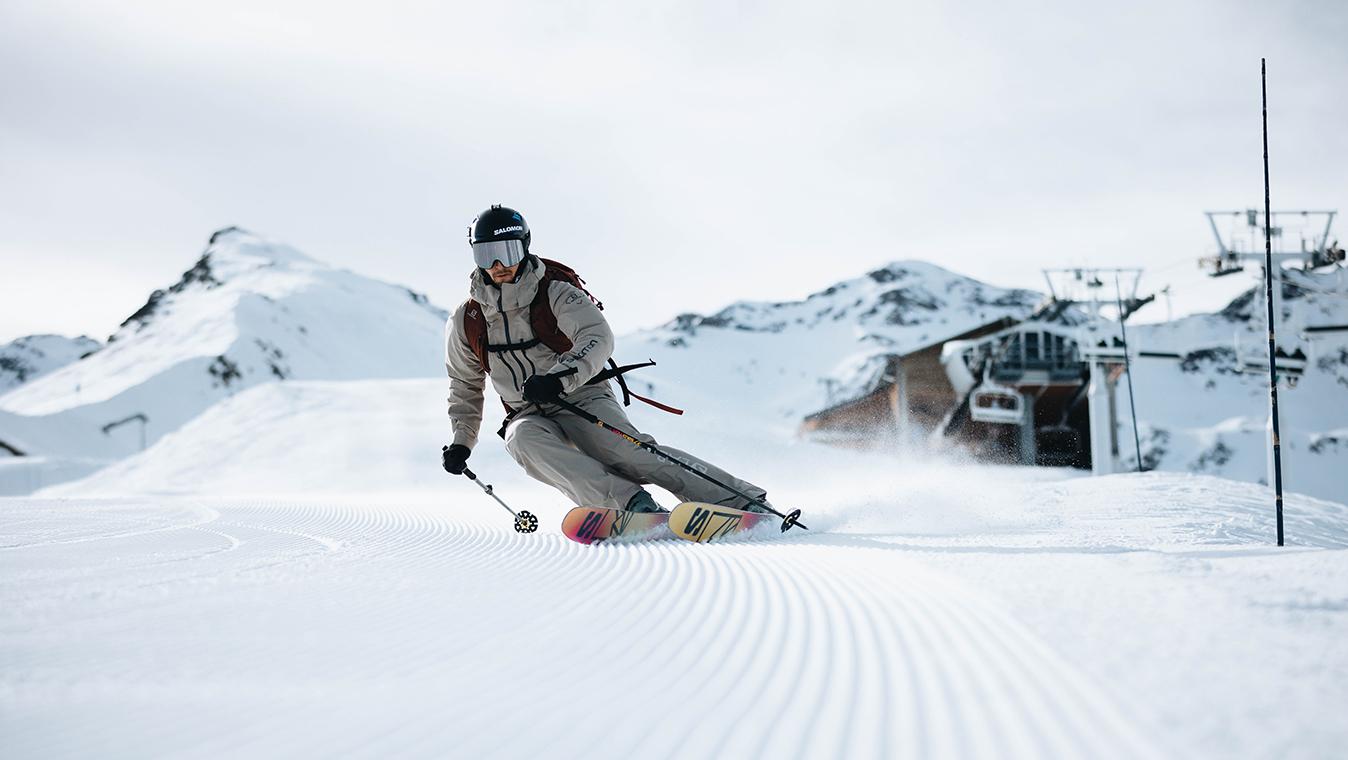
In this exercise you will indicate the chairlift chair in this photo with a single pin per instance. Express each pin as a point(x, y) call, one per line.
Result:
point(995, 403)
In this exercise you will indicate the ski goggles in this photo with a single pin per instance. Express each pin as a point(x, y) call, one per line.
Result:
point(508, 252)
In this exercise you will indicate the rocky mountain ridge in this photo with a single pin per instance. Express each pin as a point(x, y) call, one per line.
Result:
point(249, 310)
point(32, 356)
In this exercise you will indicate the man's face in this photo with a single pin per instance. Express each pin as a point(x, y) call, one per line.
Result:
point(501, 273)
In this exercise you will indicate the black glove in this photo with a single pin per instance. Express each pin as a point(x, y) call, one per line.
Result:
point(541, 389)
point(455, 458)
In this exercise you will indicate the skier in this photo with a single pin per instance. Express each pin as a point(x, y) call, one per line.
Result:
point(520, 311)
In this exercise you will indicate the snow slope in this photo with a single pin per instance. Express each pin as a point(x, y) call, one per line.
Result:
point(32, 356)
point(935, 611)
point(319, 437)
point(314, 584)
point(249, 311)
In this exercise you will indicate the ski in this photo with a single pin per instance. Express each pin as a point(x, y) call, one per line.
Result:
point(593, 525)
point(699, 522)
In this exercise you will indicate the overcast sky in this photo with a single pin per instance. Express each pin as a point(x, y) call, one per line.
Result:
point(680, 155)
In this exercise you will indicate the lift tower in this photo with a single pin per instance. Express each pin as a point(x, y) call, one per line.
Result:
point(1295, 237)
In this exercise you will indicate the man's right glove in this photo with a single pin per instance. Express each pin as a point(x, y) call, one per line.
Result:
point(542, 389)
point(455, 458)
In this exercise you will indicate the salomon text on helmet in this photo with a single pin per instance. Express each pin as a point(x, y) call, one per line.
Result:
point(499, 234)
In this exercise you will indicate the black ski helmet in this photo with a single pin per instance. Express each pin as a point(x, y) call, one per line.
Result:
point(499, 223)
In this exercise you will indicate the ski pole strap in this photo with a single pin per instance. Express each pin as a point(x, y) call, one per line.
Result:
point(622, 384)
point(616, 373)
point(654, 403)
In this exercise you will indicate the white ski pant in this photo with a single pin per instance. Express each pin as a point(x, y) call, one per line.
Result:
point(596, 468)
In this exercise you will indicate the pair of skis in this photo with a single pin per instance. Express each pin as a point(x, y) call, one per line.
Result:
point(691, 521)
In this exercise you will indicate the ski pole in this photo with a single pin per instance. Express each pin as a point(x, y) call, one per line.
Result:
point(788, 520)
point(525, 522)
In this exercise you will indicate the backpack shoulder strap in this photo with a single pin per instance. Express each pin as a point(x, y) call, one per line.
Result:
point(544, 321)
point(475, 331)
point(556, 270)
point(541, 316)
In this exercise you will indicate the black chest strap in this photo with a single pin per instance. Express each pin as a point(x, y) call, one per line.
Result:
point(524, 345)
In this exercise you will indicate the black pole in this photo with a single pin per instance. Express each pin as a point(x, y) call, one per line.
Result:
point(1268, 288)
point(788, 520)
point(1128, 370)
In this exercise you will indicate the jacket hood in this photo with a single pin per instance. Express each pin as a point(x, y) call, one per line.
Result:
point(512, 295)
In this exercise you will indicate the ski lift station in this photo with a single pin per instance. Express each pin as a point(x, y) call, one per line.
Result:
point(1052, 389)
point(1014, 392)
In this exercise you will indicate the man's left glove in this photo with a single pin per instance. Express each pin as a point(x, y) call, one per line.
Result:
point(542, 389)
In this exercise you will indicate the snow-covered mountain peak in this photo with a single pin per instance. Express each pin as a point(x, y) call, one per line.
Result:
point(234, 250)
point(32, 356)
point(794, 357)
point(235, 261)
point(249, 310)
point(1307, 303)
point(899, 294)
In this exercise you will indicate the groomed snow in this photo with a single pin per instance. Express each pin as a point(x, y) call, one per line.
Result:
point(311, 584)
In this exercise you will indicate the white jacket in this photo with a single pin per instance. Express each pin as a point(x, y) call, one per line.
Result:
point(506, 308)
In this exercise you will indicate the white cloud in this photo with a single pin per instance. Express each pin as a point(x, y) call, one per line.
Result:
point(749, 150)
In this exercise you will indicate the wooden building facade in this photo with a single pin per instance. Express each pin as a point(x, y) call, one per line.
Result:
point(913, 398)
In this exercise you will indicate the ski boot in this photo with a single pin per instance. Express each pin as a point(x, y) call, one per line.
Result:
point(751, 507)
point(642, 502)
